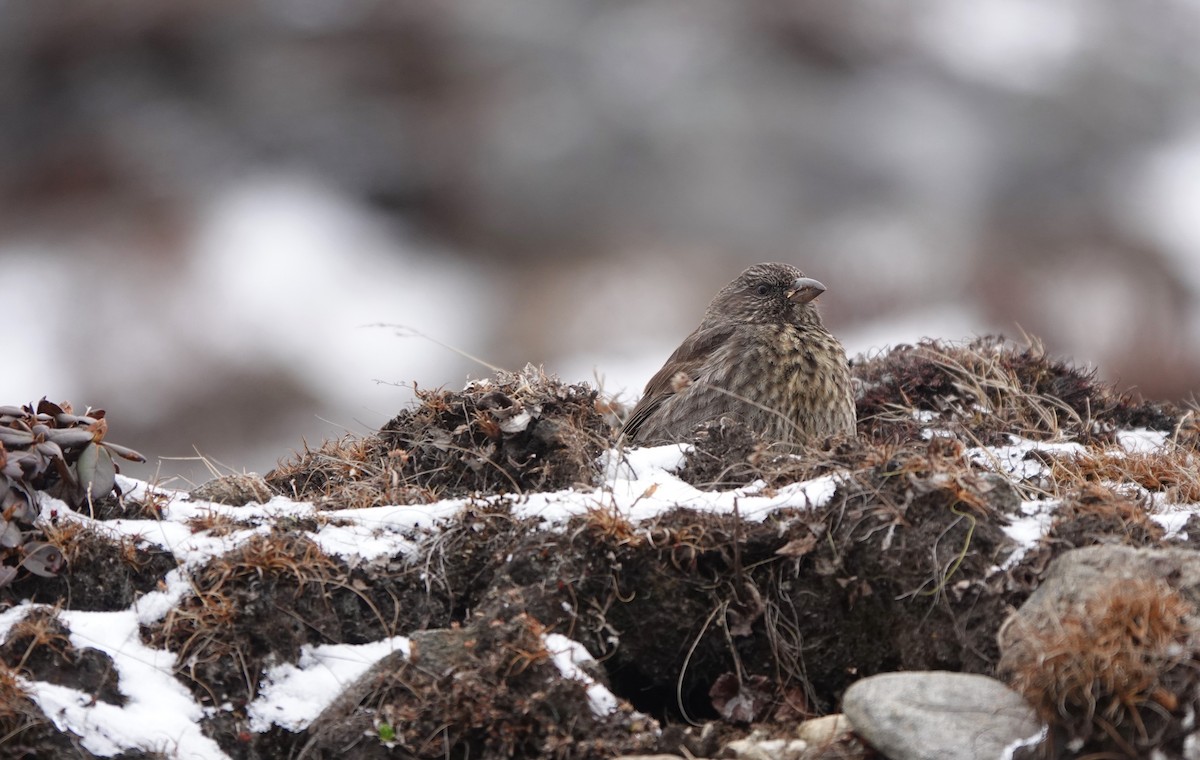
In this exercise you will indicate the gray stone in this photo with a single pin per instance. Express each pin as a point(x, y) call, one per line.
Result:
point(821, 731)
point(1074, 579)
point(1086, 596)
point(442, 650)
point(760, 745)
point(235, 490)
point(939, 716)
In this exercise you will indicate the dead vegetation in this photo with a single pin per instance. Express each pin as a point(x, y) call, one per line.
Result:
point(989, 389)
point(39, 647)
point(518, 433)
point(1095, 514)
point(25, 731)
point(260, 603)
point(1118, 673)
point(101, 571)
point(1173, 472)
point(499, 696)
point(693, 616)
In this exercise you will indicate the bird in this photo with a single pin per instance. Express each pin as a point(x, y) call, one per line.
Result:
point(762, 357)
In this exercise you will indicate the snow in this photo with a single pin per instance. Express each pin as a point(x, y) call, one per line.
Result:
point(639, 484)
point(1018, 459)
point(568, 657)
point(1028, 743)
point(292, 696)
point(1141, 441)
point(160, 713)
point(1026, 530)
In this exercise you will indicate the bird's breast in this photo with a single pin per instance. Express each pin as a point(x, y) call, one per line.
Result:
point(789, 383)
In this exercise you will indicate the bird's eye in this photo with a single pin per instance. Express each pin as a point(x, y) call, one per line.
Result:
point(762, 290)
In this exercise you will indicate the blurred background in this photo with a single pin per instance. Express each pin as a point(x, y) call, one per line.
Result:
point(233, 224)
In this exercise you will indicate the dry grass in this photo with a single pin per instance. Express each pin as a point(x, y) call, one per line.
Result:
point(78, 542)
point(515, 433)
point(216, 523)
point(14, 701)
point(609, 524)
point(1172, 471)
point(989, 388)
point(349, 472)
point(1097, 514)
point(209, 629)
point(40, 628)
point(1114, 669)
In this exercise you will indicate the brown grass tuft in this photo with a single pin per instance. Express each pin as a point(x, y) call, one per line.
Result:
point(40, 628)
point(247, 605)
point(1114, 670)
point(1099, 515)
point(516, 433)
point(991, 388)
point(14, 702)
point(1173, 471)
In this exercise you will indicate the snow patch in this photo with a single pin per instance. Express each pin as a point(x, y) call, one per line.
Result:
point(293, 696)
point(569, 656)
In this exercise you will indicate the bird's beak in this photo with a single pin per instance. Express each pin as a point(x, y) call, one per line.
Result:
point(804, 289)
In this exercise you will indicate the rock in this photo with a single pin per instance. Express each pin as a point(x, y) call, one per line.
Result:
point(1103, 611)
point(1078, 576)
point(234, 490)
point(939, 716)
point(822, 731)
point(760, 745)
point(441, 650)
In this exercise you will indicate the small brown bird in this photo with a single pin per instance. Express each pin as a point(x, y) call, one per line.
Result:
point(760, 356)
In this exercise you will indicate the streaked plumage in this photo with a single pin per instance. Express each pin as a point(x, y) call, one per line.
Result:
point(760, 356)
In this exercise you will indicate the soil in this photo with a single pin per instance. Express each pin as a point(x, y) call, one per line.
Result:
point(102, 574)
point(898, 571)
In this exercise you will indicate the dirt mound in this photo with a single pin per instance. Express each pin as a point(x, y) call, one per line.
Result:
point(991, 388)
point(906, 562)
point(517, 433)
point(491, 689)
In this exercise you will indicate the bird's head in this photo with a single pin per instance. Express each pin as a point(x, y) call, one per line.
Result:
point(767, 294)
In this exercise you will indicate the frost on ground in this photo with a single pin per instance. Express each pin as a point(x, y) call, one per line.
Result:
point(492, 561)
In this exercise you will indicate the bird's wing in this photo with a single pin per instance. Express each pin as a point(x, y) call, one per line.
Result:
point(689, 358)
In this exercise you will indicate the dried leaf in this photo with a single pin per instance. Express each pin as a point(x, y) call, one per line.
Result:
point(740, 615)
point(42, 559)
point(123, 452)
point(517, 423)
point(49, 407)
point(741, 701)
point(797, 547)
point(7, 574)
point(17, 504)
point(98, 429)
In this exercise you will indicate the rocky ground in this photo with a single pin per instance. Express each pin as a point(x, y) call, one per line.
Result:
point(1000, 563)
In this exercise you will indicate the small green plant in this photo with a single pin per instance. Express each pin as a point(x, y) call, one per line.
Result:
point(49, 448)
point(387, 734)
